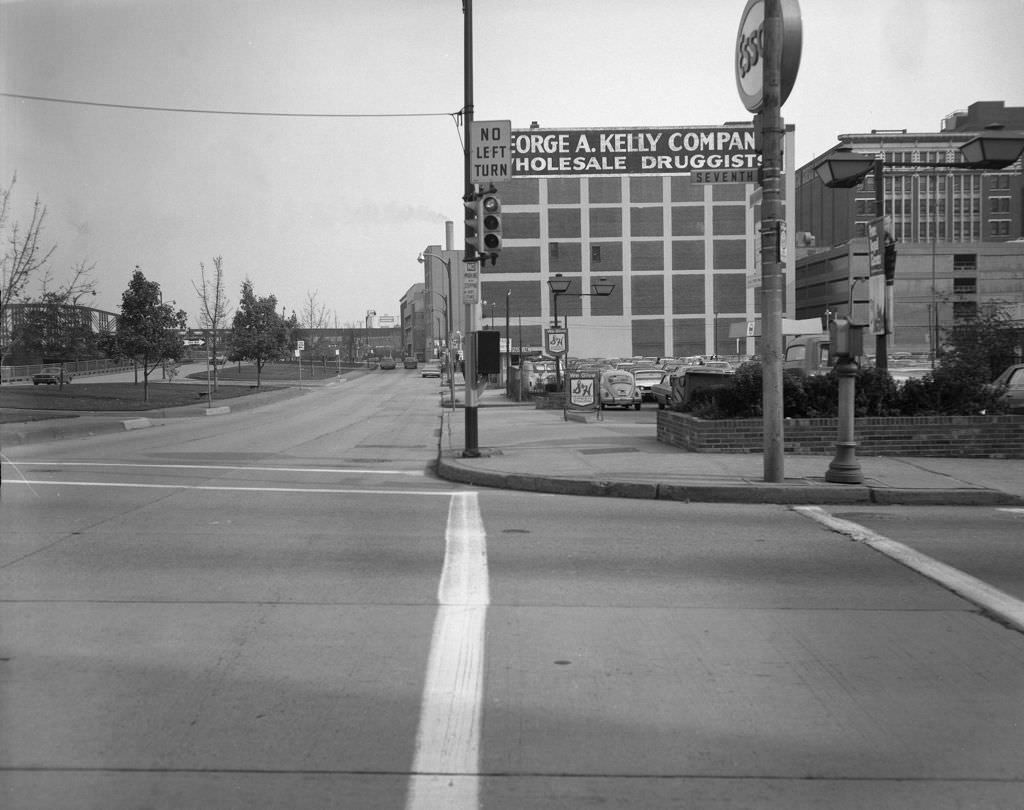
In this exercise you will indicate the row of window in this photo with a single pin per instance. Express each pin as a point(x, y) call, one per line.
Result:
point(639, 188)
point(566, 223)
point(649, 256)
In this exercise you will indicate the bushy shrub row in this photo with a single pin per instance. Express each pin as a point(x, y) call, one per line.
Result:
point(946, 390)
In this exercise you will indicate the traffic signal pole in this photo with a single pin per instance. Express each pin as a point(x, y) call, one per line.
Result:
point(472, 444)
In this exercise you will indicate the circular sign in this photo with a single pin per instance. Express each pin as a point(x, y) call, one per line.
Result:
point(750, 52)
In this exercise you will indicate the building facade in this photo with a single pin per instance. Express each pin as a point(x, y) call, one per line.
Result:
point(959, 233)
point(667, 215)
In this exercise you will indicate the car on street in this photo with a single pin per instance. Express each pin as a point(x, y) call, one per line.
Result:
point(387, 363)
point(1013, 379)
point(664, 392)
point(431, 368)
point(50, 376)
point(409, 362)
point(646, 379)
point(618, 389)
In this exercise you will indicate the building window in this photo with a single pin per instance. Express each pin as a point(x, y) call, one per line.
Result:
point(963, 310)
point(999, 205)
point(965, 262)
point(965, 285)
point(553, 251)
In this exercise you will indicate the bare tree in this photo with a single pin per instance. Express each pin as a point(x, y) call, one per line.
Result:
point(313, 315)
point(213, 306)
point(23, 256)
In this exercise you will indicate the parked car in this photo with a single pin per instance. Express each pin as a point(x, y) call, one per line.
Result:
point(646, 379)
point(409, 362)
point(1013, 379)
point(387, 363)
point(431, 368)
point(664, 391)
point(50, 376)
point(618, 388)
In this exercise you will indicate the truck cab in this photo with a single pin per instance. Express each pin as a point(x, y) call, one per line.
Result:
point(809, 354)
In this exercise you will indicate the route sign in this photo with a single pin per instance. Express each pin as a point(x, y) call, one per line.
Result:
point(490, 151)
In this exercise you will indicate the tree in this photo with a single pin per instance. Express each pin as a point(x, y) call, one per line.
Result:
point(55, 331)
point(23, 256)
point(148, 330)
point(982, 346)
point(213, 307)
point(258, 332)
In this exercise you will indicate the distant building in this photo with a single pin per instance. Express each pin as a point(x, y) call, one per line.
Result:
point(665, 214)
point(414, 316)
point(959, 233)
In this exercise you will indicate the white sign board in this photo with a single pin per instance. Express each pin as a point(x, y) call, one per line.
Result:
point(300, 345)
point(557, 341)
point(490, 151)
point(471, 285)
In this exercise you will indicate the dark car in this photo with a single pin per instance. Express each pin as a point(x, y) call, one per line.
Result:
point(432, 368)
point(387, 363)
point(50, 376)
point(409, 362)
point(1013, 379)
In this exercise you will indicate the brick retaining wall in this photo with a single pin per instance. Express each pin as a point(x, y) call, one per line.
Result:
point(942, 436)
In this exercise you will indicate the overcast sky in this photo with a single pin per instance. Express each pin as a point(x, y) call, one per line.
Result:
point(341, 206)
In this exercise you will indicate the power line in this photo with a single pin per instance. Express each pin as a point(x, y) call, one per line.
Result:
point(196, 111)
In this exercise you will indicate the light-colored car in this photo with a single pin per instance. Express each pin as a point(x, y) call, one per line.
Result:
point(1013, 379)
point(431, 368)
point(646, 379)
point(618, 389)
point(387, 363)
point(50, 376)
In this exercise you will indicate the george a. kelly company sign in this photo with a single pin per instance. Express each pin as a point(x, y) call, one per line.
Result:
point(550, 152)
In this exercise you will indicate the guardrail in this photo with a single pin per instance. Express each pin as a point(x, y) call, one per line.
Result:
point(82, 368)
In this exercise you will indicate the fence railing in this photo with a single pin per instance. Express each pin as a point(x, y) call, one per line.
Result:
point(82, 368)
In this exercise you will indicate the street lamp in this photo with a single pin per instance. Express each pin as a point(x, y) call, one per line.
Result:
point(843, 168)
point(422, 258)
point(560, 286)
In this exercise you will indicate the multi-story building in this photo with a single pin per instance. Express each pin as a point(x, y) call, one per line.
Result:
point(414, 311)
point(664, 214)
point(959, 232)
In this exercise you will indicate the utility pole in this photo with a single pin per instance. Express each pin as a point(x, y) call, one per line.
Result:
point(772, 280)
point(472, 448)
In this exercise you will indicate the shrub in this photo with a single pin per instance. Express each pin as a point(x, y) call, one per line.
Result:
point(950, 389)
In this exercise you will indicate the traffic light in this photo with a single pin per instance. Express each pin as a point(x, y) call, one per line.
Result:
point(890, 261)
point(488, 352)
point(471, 204)
point(489, 217)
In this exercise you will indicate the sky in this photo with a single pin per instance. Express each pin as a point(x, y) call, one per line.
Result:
point(354, 161)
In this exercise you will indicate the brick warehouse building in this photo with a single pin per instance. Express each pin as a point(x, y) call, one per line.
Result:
point(626, 205)
point(958, 232)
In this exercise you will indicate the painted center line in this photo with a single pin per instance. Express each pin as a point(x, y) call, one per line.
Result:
point(446, 766)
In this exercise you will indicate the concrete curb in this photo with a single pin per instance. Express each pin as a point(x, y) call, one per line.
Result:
point(796, 494)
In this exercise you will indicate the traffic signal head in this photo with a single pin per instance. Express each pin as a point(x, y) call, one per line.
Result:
point(890, 261)
point(471, 205)
point(489, 216)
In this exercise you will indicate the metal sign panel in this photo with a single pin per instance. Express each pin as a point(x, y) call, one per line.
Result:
point(471, 285)
point(490, 151)
point(725, 176)
point(556, 341)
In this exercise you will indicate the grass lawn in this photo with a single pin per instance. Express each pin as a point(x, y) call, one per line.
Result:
point(278, 372)
point(23, 403)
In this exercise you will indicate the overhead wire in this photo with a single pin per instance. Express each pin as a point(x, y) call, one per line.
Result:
point(199, 111)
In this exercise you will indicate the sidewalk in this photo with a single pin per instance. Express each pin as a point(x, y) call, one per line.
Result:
point(540, 451)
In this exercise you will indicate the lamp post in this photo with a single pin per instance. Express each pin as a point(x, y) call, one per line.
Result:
point(508, 347)
point(560, 286)
point(447, 265)
point(845, 169)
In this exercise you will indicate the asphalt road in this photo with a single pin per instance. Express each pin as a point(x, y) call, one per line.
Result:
point(283, 608)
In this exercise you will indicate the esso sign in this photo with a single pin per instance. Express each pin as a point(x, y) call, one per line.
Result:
point(749, 55)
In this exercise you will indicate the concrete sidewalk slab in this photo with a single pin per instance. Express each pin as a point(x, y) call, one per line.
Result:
point(541, 451)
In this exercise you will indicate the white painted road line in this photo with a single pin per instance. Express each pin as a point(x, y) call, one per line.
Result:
point(992, 600)
point(339, 470)
point(445, 769)
point(211, 488)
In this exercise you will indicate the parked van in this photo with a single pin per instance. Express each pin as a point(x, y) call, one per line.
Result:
point(809, 354)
